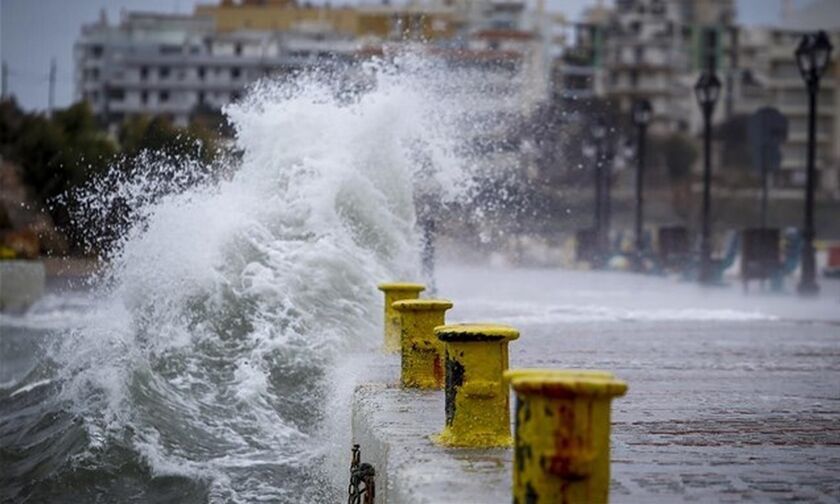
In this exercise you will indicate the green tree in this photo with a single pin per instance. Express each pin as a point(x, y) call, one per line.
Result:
point(676, 154)
point(55, 155)
point(679, 154)
point(59, 154)
point(160, 139)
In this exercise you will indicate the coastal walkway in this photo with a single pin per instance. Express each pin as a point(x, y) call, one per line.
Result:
point(735, 399)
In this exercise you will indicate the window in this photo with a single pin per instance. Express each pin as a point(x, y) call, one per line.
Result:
point(163, 72)
point(116, 94)
point(144, 73)
point(96, 51)
point(201, 73)
point(235, 73)
point(144, 97)
point(234, 96)
point(237, 49)
point(200, 97)
point(658, 8)
point(163, 97)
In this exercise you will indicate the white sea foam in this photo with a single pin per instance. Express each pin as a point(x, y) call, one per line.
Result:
point(225, 300)
point(31, 386)
point(52, 312)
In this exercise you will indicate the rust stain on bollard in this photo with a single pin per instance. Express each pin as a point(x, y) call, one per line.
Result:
point(562, 434)
point(396, 291)
point(422, 352)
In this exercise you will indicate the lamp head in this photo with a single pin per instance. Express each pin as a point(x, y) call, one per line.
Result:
point(813, 55)
point(707, 89)
point(642, 112)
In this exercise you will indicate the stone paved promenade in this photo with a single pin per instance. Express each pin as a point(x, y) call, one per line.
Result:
point(732, 398)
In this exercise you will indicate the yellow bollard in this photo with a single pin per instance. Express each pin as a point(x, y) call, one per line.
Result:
point(562, 426)
point(477, 399)
point(422, 352)
point(396, 292)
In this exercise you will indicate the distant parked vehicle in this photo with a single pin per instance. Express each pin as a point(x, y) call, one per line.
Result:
point(759, 254)
point(832, 269)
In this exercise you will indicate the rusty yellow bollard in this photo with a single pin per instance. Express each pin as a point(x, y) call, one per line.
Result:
point(562, 434)
point(396, 292)
point(422, 352)
point(477, 399)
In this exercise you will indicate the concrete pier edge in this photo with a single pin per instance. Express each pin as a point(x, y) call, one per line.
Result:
point(22, 282)
point(394, 428)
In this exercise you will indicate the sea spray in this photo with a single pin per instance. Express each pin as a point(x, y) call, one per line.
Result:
point(201, 370)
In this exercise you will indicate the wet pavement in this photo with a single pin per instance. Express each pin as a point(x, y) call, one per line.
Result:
point(732, 398)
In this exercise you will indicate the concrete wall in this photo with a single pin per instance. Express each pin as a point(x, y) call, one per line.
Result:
point(21, 284)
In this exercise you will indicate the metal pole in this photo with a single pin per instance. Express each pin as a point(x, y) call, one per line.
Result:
point(599, 197)
point(428, 253)
point(5, 82)
point(705, 245)
point(808, 284)
point(51, 95)
point(764, 186)
point(607, 204)
point(640, 170)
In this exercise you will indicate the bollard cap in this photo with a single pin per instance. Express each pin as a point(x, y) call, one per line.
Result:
point(422, 304)
point(514, 374)
point(476, 332)
point(562, 383)
point(401, 286)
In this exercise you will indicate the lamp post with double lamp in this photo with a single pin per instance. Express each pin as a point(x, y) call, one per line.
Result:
point(599, 132)
point(707, 91)
point(812, 56)
point(642, 114)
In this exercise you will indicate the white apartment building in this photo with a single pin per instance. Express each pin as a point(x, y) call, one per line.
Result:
point(173, 65)
point(656, 49)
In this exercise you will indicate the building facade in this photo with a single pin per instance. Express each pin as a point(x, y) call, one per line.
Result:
point(179, 65)
point(175, 66)
point(768, 76)
point(656, 49)
point(650, 49)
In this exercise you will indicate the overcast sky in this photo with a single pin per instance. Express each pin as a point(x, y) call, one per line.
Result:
point(32, 32)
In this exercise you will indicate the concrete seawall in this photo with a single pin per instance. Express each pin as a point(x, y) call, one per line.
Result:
point(21, 284)
point(393, 428)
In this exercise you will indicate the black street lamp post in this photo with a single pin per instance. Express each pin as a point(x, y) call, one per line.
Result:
point(599, 133)
point(812, 57)
point(707, 91)
point(642, 114)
